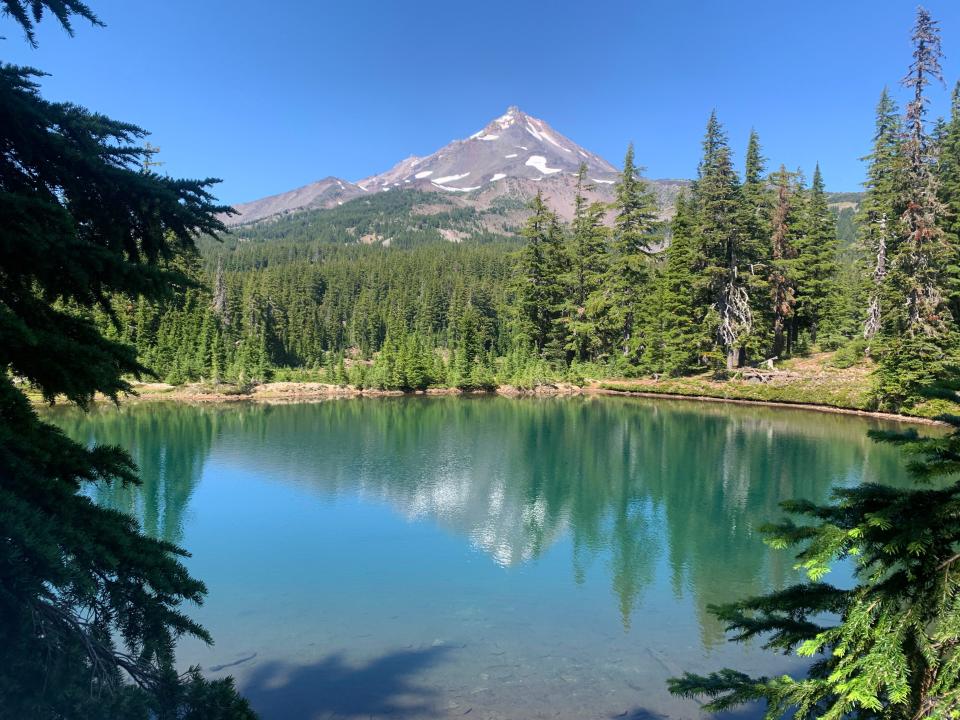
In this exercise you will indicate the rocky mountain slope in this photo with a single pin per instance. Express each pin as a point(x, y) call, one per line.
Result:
point(501, 166)
point(514, 146)
point(321, 194)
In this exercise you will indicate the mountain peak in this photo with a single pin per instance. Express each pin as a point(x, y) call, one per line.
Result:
point(515, 154)
point(513, 117)
point(512, 147)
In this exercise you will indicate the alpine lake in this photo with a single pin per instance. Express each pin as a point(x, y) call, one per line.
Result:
point(442, 557)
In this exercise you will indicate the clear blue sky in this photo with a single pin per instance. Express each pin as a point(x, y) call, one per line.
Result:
point(270, 96)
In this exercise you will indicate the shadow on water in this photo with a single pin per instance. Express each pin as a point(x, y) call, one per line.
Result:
point(332, 687)
point(753, 711)
point(639, 713)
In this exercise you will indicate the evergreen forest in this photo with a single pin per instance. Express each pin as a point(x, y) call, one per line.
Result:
point(757, 264)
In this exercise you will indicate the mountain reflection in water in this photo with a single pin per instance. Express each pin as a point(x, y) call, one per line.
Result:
point(658, 498)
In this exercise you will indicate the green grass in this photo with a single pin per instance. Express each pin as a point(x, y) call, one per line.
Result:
point(845, 392)
point(801, 392)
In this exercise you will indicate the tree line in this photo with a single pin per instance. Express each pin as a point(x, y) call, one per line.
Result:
point(751, 268)
point(754, 269)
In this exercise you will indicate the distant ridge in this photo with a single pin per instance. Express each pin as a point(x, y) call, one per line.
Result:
point(512, 156)
point(497, 169)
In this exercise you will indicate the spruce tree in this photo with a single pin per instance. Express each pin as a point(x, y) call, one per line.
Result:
point(628, 277)
point(948, 167)
point(540, 290)
point(683, 336)
point(879, 209)
point(91, 606)
point(653, 319)
point(818, 302)
point(724, 266)
point(889, 646)
point(920, 337)
point(588, 265)
point(783, 252)
point(755, 249)
point(218, 358)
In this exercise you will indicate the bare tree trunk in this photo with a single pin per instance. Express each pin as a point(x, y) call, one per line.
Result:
point(872, 324)
point(734, 358)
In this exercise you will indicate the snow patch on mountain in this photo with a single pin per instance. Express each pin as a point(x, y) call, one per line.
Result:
point(549, 138)
point(539, 162)
point(453, 189)
point(450, 178)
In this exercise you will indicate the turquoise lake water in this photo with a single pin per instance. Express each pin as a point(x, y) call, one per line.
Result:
point(489, 557)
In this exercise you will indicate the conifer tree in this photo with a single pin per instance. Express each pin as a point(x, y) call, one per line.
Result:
point(879, 209)
point(91, 606)
point(628, 277)
point(920, 335)
point(540, 289)
point(469, 351)
point(817, 289)
point(948, 166)
point(218, 358)
point(653, 320)
point(588, 266)
point(782, 290)
point(756, 211)
point(723, 264)
point(683, 336)
point(261, 365)
point(889, 646)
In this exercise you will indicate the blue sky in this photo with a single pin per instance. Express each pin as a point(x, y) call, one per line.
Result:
point(270, 96)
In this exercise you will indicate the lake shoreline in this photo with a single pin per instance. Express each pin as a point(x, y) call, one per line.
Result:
point(290, 392)
point(833, 409)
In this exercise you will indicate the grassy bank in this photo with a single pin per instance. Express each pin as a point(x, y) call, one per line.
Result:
point(811, 382)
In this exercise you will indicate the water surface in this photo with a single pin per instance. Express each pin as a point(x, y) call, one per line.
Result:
point(497, 558)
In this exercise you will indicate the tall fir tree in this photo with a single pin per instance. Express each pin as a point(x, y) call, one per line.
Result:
point(683, 335)
point(948, 167)
point(782, 266)
point(92, 607)
point(755, 218)
point(818, 301)
point(724, 266)
point(540, 291)
point(920, 337)
point(589, 261)
point(879, 209)
point(619, 304)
